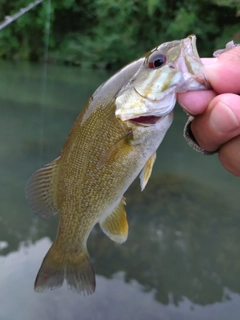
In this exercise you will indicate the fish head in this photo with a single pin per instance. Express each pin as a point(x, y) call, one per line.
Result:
point(168, 69)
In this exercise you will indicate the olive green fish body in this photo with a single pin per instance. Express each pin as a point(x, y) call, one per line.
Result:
point(113, 140)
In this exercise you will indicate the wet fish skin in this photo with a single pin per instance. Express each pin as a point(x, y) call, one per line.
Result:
point(113, 140)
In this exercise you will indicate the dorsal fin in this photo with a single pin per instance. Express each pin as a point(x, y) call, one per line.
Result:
point(115, 225)
point(41, 190)
point(147, 171)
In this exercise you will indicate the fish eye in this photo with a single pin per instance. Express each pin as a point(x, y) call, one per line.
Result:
point(156, 60)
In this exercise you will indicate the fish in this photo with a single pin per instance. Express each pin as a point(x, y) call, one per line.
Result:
point(113, 140)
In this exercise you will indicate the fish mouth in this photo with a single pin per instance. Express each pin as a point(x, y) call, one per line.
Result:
point(145, 120)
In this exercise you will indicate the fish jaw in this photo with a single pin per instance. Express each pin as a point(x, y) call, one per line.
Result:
point(152, 91)
point(190, 65)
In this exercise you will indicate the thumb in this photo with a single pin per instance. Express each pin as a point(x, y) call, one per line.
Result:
point(219, 124)
point(223, 73)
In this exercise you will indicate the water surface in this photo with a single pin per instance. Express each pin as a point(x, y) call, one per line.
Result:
point(182, 258)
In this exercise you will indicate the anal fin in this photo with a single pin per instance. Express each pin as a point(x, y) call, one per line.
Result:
point(41, 190)
point(115, 225)
point(147, 171)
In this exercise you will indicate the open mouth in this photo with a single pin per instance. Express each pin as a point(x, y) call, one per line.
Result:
point(145, 120)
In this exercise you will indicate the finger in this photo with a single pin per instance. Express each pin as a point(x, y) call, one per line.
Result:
point(223, 73)
point(195, 102)
point(229, 155)
point(219, 123)
point(207, 61)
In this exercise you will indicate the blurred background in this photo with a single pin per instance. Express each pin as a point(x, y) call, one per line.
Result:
point(110, 33)
point(182, 258)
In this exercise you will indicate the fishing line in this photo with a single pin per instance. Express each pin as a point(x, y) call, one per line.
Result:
point(33, 230)
point(44, 80)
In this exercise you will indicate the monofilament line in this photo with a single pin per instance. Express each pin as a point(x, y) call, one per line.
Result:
point(44, 79)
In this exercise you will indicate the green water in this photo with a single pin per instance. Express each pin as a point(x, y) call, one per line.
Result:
point(182, 258)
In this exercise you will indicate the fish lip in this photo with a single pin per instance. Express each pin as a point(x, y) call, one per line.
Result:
point(193, 39)
point(188, 54)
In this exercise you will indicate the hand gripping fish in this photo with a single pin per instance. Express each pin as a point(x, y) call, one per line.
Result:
point(113, 140)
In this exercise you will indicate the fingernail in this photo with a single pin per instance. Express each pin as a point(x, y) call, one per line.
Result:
point(222, 119)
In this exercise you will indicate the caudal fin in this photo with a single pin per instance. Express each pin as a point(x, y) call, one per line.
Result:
point(75, 268)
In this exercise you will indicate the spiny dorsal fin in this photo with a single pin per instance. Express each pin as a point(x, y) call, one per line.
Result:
point(146, 171)
point(115, 225)
point(41, 190)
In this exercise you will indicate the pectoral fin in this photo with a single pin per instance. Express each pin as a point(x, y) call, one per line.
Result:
point(113, 150)
point(41, 190)
point(146, 171)
point(115, 225)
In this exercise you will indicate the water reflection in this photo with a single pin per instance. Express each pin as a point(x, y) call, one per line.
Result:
point(182, 256)
point(114, 298)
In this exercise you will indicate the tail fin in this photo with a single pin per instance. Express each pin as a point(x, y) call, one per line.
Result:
point(75, 268)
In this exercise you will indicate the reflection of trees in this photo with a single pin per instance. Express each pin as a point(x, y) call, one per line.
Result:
point(184, 241)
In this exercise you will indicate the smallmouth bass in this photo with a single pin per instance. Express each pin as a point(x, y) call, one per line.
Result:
point(113, 140)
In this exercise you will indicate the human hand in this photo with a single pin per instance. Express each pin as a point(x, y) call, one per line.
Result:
point(217, 112)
